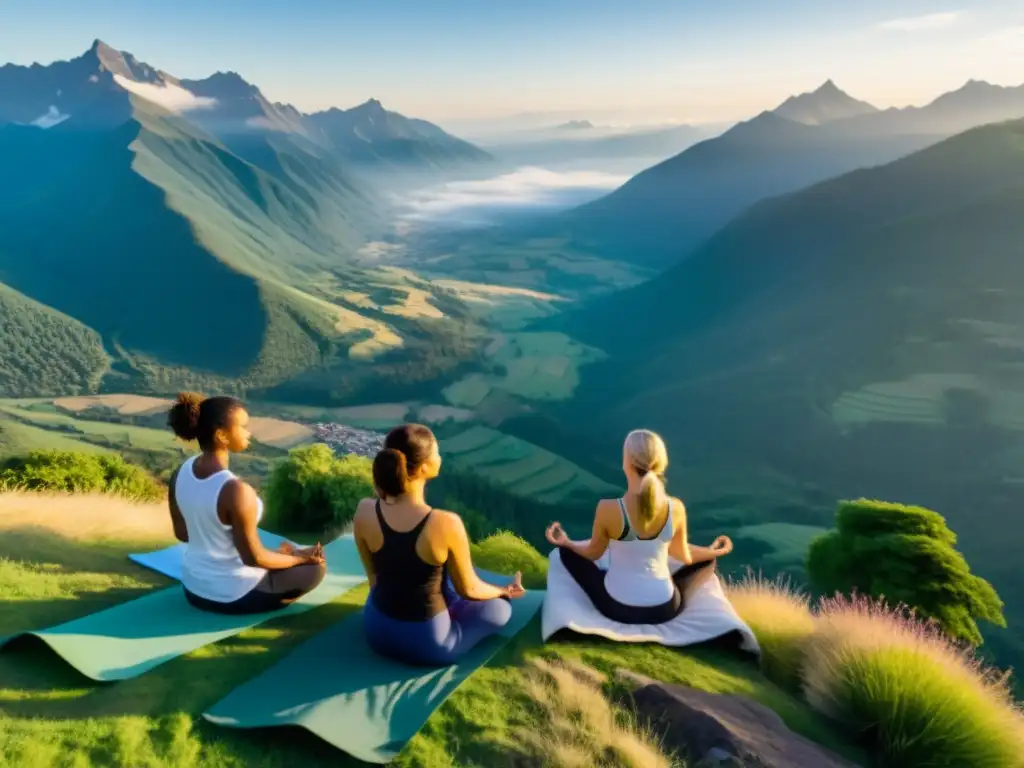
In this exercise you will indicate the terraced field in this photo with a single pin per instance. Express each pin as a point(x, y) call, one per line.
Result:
point(521, 466)
point(922, 399)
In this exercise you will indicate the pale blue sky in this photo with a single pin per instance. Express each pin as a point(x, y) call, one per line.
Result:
point(466, 59)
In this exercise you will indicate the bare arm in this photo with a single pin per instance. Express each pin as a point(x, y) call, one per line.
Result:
point(594, 548)
point(238, 505)
point(467, 583)
point(358, 531)
point(680, 548)
point(177, 521)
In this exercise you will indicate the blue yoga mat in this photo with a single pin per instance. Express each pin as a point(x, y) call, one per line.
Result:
point(131, 638)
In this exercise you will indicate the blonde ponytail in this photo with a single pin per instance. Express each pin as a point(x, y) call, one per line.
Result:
point(651, 498)
point(646, 452)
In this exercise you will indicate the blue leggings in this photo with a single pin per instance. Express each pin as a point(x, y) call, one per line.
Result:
point(440, 640)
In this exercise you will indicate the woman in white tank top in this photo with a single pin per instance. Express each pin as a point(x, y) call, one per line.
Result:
point(226, 569)
point(640, 532)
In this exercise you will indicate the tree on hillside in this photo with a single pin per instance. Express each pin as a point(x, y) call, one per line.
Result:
point(313, 490)
point(907, 555)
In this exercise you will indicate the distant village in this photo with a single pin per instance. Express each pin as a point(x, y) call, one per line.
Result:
point(344, 439)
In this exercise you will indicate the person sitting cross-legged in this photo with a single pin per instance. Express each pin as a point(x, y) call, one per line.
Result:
point(226, 568)
point(640, 531)
point(415, 613)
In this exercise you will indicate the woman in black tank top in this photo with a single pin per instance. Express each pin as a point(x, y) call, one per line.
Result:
point(426, 603)
point(407, 588)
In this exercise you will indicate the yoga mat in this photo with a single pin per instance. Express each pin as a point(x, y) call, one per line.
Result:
point(168, 560)
point(131, 638)
point(369, 706)
point(708, 613)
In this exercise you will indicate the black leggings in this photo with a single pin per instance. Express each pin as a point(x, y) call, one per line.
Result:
point(591, 578)
point(275, 590)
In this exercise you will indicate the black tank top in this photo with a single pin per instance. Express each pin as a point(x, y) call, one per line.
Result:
point(407, 588)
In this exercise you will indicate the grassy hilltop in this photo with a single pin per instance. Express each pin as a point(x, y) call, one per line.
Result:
point(856, 677)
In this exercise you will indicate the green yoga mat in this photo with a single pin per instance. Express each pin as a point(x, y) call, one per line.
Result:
point(131, 638)
point(336, 687)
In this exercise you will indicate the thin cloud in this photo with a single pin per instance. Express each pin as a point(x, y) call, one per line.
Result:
point(171, 97)
point(478, 201)
point(264, 124)
point(924, 23)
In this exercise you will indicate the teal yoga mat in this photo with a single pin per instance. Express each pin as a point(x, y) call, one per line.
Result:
point(369, 706)
point(131, 638)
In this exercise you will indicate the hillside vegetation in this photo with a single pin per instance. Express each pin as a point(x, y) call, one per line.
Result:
point(44, 352)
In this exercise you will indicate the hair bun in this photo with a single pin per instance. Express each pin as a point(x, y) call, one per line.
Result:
point(183, 418)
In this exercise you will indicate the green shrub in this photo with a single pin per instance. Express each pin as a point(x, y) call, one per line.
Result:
point(72, 472)
point(912, 696)
point(504, 552)
point(904, 555)
point(314, 490)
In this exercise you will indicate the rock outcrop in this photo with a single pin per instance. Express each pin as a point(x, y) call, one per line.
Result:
point(722, 729)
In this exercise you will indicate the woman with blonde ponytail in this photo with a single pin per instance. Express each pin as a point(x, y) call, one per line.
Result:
point(640, 530)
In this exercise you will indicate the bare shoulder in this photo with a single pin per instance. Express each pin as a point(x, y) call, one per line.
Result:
point(366, 509)
point(448, 524)
point(237, 491)
point(608, 509)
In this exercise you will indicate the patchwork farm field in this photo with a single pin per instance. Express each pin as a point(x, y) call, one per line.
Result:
point(533, 366)
point(110, 423)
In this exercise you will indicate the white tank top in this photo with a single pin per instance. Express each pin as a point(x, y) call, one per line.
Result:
point(212, 567)
point(638, 572)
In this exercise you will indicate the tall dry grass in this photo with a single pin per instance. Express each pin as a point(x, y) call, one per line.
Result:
point(913, 696)
point(781, 618)
point(896, 683)
point(92, 516)
point(581, 728)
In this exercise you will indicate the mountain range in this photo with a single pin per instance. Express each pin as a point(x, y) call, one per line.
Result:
point(192, 233)
point(824, 105)
point(93, 89)
point(666, 211)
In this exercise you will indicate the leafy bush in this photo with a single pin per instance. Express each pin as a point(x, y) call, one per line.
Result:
point(504, 552)
point(313, 490)
point(904, 555)
point(781, 619)
point(915, 697)
point(72, 472)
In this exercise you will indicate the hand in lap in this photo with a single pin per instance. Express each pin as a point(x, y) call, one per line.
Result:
point(721, 546)
point(556, 535)
point(516, 588)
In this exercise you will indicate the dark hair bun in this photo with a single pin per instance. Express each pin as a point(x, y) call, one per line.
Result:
point(183, 418)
